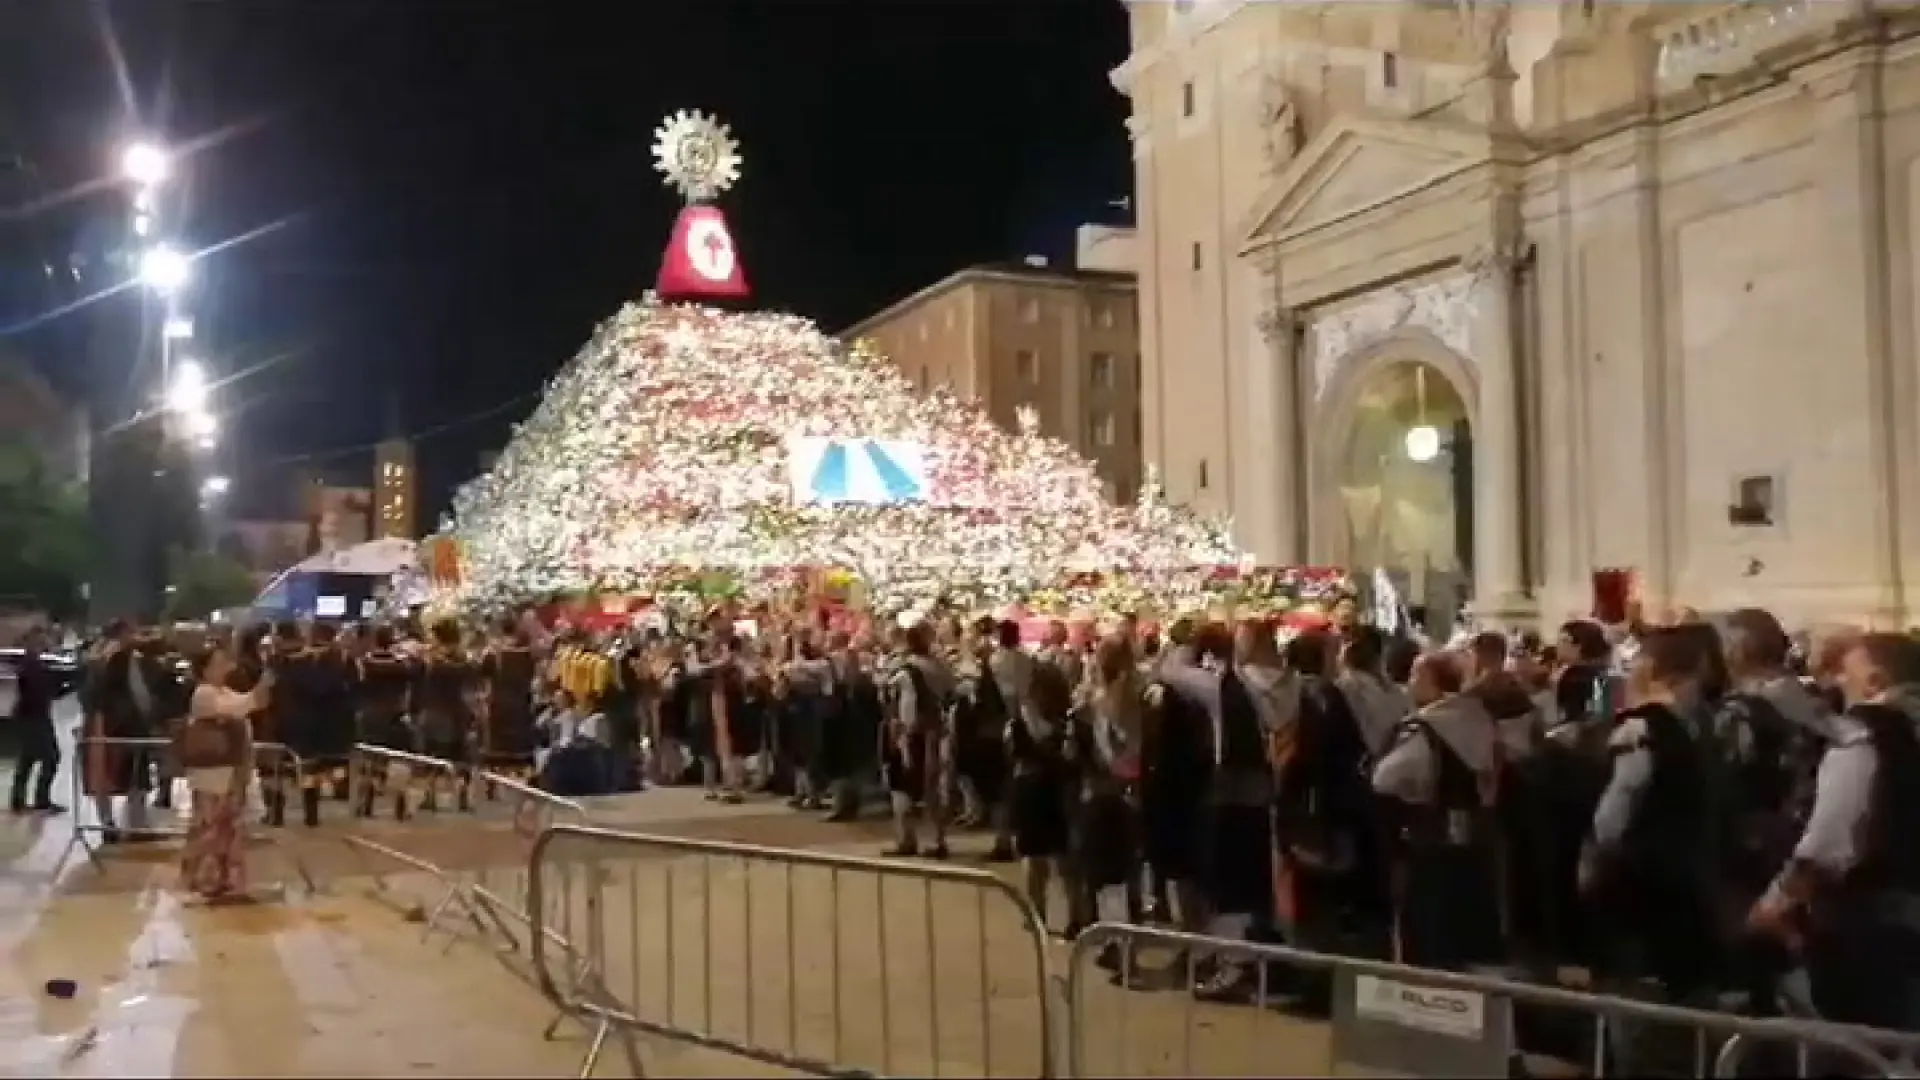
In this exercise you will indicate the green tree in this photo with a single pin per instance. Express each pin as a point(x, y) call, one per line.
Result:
point(43, 533)
point(203, 582)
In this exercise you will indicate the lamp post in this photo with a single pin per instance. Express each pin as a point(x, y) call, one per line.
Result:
point(157, 497)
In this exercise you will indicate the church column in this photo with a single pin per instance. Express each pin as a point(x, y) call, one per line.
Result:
point(1274, 419)
point(1499, 568)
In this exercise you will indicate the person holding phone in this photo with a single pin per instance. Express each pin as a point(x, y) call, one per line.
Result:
point(214, 746)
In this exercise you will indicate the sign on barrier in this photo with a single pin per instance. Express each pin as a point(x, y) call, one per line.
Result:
point(1397, 1027)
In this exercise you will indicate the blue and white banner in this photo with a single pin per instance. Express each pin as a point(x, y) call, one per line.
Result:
point(841, 469)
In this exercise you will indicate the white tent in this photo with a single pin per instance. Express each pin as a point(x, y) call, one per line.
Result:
point(381, 558)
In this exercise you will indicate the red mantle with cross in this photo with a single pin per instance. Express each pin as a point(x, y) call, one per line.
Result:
point(701, 262)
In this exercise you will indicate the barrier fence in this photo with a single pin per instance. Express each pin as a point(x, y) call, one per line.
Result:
point(479, 867)
point(1390, 1019)
point(144, 762)
point(825, 964)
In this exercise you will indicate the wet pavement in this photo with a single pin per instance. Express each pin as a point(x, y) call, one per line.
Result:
point(340, 982)
point(331, 984)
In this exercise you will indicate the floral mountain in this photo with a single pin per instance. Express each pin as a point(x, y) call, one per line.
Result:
point(665, 458)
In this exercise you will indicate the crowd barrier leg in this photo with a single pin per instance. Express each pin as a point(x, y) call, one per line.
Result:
point(375, 770)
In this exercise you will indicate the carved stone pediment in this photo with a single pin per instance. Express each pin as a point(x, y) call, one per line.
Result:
point(1356, 164)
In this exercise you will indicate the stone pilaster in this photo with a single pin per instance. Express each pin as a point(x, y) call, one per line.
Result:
point(1273, 415)
point(1499, 565)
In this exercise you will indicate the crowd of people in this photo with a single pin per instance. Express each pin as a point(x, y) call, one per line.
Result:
point(1691, 807)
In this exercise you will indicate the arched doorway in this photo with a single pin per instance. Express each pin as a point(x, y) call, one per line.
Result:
point(1403, 477)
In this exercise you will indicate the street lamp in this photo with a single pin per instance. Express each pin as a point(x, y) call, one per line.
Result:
point(146, 164)
point(187, 392)
point(164, 270)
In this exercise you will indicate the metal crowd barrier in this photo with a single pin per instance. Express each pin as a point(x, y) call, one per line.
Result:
point(473, 880)
point(823, 964)
point(1391, 1019)
point(159, 822)
point(487, 882)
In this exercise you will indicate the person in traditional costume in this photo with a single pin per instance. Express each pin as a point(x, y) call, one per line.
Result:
point(509, 670)
point(1236, 837)
point(1042, 795)
point(116, 703)
point(722, 683)
point(1442, 777)
point(444, 703)
point(1107, 738)
point(1848, 895)
point(988, 686)
point(334, 721)
point(575, 763)
point(1650, 864)
point(385, 687)
point(214, 746)
point(852, 717)
point(916, 744)
point(1175, 762)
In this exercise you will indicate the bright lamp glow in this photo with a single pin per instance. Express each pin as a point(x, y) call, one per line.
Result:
point(203, 426)
point(178, 329)
point(215, 486)
point(187, 393)
point(146, 164)
point(164, 269)
point(1423, 443)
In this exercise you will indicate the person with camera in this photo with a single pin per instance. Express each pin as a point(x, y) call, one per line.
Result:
point(214, 748)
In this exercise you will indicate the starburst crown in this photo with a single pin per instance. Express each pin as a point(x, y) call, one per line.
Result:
point(697, 154)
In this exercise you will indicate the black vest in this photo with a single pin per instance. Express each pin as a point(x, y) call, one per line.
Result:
point(1456, 817)
point(1668, 836)
point(1243, 742)
point(1889, 856)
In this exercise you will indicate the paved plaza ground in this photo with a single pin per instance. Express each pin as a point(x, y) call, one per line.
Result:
point(897, 975)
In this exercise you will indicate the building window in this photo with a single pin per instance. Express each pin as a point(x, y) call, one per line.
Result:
point(922, 328)
point(1105, 318)
point(1186, 99)
point(1026, 367)
point(924, 380)
point(1102, 369)
point(1390, 70)
point(1755, 502)
point(1030, 311)
point(1203, 474)
point(1103, 433)
point(1196, 255)
point(1139, 427)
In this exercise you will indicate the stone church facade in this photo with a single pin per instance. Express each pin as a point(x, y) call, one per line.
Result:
point(1662, 256)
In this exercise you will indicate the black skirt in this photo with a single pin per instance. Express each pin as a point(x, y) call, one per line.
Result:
point(1237, 849)
point(1106, 845)
point(1040, 825)
point(1171, 825)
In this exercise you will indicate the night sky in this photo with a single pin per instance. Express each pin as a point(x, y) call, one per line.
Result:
point(438, 199)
